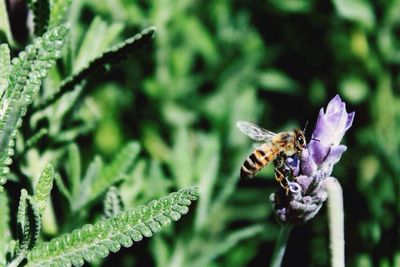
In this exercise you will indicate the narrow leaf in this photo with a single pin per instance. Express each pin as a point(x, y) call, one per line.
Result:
point(4, 228)
point(41, 14)
point(95, 41)
point(28, 223)
point(92, 242)
point(27, 72)
point(4, 67)
point(115, 171)
point(227, 244)
point(4, 23)
point(58, 12)
point(207, 170)
point(61, 186)
point(81, 195)
point(35, 138)
point(74, 167)
point(112, 203)
point(110, 56)
point(43, 188)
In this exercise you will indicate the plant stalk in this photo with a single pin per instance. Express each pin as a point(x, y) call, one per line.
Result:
point(336, 222)
point(280, 246)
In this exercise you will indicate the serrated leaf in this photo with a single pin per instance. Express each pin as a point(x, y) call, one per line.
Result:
point(27, 72)
point(5, 67)
point(95, 241)
point(4, 228)
point(96, 40)
point(43, 188)
point(112, 203)
point(58, 12)
point(110, 56)
point(28, 223)
point(41, 15)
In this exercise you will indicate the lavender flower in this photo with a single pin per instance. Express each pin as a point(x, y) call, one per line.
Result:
point(307, 190)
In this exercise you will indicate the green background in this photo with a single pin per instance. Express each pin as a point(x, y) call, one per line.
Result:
point(212, 63)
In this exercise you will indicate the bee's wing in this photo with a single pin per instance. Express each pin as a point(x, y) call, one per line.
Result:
point(254, 132)
point(257, 145)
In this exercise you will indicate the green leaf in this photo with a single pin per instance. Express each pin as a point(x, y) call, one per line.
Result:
point(33, 64)
point(92, 242)
point(4, 228)
point(28, 223)
point(58, 12)
point(27, 72)
point(41, 14)
point(182, 157)
point(112, 203)
point(4, 24)
point(74, 168)
point(43, 188)
point(360, 11)
point(207, 169)
point(61, 186)
point(35, 138)
point(96, 40)
point(116, 170)
point(233, 239)
point(110, 56)
point(81, 194)
point(98, 178)
point(5, 67)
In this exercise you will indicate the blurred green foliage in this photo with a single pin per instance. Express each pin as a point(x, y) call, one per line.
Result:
point(211, 64)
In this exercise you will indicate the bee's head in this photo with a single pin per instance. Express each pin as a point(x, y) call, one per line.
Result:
point(300, 142)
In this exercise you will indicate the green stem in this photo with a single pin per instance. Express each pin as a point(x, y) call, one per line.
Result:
point(336, 222)
point(280, 246)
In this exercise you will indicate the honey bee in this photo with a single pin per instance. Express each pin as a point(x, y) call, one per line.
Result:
point(275, 147)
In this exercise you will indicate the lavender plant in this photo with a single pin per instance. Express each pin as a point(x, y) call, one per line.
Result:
point(31, 79)
point(312, 173)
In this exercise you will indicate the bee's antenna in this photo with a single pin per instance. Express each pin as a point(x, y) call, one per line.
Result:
point(305, 127)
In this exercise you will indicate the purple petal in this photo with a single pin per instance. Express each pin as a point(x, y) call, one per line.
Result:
point(322, 128)
point(318, 151)
point(304, 181)
point(334, 105)
point(334, 118)
point(308, 166)
point(335, 154)
point(349, 122)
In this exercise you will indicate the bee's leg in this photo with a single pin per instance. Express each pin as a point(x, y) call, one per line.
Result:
point(280, 174)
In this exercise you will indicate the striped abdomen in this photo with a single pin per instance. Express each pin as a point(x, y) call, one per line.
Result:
point(258, 160)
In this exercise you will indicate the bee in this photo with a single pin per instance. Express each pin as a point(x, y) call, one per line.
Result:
point(275, 147)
